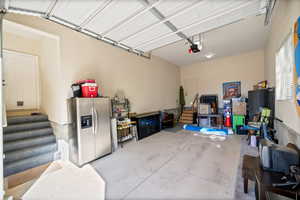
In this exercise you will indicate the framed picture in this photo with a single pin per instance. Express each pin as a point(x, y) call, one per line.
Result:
point(231, 90)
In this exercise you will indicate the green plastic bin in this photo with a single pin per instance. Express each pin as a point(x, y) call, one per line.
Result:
point(238, 120)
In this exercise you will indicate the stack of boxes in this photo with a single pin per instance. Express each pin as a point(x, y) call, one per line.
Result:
point(204, 109)
point(239, 112)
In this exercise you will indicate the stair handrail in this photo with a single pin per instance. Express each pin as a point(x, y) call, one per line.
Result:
point(195, 101)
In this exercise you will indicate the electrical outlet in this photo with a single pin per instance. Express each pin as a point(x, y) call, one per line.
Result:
point(20, 103)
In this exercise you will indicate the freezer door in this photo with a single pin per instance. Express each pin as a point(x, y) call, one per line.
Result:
point(85, 130)
point(102, 108)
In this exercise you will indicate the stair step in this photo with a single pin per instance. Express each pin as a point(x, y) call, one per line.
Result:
point(187, 114)
point(27, 134)
point(25, 153)
point(22, 165)
point(186, 121)
point(188, 107)
point(26, 119)
point(27, 126)
point(20, 144)
point(186, 118)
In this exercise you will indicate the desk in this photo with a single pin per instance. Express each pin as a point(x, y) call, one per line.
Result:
point(263, 185)
point(250, 165)
point(147, 124)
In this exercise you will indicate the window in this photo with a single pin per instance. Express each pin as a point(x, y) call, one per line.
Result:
point(284, 69)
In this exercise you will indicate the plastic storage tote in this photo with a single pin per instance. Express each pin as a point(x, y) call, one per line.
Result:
point(237, 120)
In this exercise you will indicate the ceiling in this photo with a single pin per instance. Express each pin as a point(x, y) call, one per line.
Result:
point(141, 25)
point(243, 36)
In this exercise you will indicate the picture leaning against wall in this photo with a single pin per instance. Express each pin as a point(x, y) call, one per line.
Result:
point(231, 90)
point(285, 69)
point(297, 59)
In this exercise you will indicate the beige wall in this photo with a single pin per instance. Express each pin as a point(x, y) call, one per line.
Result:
point(208, 77)
point(149, 84)
point(285, 15)
point(52, 93)
point(18, 43)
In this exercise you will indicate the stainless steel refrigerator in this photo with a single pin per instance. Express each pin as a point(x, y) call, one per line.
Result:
point(91, 130)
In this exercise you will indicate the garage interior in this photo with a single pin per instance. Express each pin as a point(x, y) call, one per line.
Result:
point(150, 99)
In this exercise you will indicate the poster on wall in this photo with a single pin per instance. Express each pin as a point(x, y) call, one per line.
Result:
point(231, 90)
point(297, 59)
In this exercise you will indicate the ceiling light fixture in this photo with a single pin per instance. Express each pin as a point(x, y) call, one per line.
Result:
point(209, 55)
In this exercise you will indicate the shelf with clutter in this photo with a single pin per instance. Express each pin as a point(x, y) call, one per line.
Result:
point(236, 112)
point(125, 128)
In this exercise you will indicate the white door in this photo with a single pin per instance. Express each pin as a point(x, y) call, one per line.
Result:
point(22, 80)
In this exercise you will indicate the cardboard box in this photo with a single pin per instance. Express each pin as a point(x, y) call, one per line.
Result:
point(204, 109)
point(239, 108)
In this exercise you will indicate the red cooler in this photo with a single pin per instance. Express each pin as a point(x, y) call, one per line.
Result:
point(89, 81)
point(89, 90)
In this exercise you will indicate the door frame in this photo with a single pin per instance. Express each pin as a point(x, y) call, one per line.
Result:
point(3, 111)
point(37, 75)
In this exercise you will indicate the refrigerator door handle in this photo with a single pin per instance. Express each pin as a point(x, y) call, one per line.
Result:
point(93, 121)
point(97, 122)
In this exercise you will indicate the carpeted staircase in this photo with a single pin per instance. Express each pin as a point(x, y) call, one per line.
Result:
point(28, 142)
point(187, 116)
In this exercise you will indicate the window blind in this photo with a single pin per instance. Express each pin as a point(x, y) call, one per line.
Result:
point(284, 69)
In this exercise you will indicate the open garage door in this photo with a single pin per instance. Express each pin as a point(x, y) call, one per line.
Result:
point(141, 26)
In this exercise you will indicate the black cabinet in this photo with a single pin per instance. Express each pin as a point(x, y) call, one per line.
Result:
point(261, 98)
point(147, 124)
point(167, 121)
point(256, 100)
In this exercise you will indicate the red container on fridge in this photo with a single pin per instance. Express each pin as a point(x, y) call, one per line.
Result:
point(89, 81)
point(89, 90)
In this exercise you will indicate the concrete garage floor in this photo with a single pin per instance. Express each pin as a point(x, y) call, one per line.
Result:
point(172, 165)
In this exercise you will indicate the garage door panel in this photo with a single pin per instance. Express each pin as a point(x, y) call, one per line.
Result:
point(76, 11)
point(148, 35)
point(169, 7)
point(114, 14)
point(234, 16)
point(160, 43)
point(139, 23)
point(205, 10)
point(40, 6)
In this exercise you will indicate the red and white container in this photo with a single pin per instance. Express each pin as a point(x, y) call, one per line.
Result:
point(89, 90)
point(89, 81)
